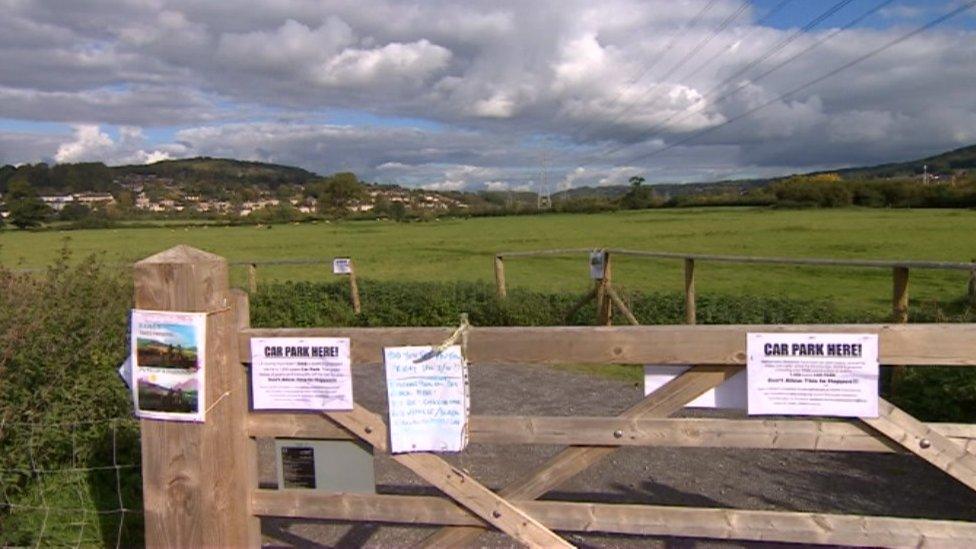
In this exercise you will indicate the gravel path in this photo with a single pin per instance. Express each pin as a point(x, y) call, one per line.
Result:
point(856, 483)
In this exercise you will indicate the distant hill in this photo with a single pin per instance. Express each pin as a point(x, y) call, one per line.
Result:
point(945, 163)
point(665, 190)
point(219, 170)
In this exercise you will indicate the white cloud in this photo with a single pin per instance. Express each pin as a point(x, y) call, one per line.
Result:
point(90, 144)
point(491, 77)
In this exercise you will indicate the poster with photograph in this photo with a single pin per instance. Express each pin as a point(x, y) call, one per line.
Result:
point(168, 365)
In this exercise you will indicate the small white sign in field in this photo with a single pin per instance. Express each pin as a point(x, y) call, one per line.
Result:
point(341, 266)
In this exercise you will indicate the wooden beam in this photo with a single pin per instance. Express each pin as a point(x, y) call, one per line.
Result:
point(646, 520)
point(925, 442)
point(669, 398)
point(193, 474)
point(912, 344)
point(500, 277)
point(794, 434)
point(452, 481)
point(691, 312)
point(622, 307)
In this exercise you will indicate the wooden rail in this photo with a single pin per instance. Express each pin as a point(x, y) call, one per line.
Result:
point(725, 345)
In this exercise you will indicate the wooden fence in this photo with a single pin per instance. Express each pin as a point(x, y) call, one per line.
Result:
point(605, 295)
point(200, 480)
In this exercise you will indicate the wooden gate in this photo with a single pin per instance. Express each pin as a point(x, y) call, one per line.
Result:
point(200, 481)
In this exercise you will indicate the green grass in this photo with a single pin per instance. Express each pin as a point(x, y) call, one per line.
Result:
point(461, 249)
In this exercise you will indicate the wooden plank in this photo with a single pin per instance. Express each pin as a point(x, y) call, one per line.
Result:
point(249, 465)
point(691, 312)
point(455, 483)
point(669, 398)
point(634, 519)
point(500, 277)
point(195, 482)
point(795, 434)
point(925, 442)
point(622, 307)
point(912, 344)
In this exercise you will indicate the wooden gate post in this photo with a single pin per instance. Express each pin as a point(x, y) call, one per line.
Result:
point(196, 490)
point(252, 277)
point(354, 289)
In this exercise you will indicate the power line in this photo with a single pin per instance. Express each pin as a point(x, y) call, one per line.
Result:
point(687, 57)
point(684, 114)
point(792, 37)
point(938, 20)
point(672, 39)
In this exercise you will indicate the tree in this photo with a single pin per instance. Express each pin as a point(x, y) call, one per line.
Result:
point(26, 209)
point(639, 196)
point(337, 192)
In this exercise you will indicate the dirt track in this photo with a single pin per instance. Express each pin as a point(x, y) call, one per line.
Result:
point(858, 483)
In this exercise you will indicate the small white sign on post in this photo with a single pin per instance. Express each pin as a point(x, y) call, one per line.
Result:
point(428, 395)
point(291, 373)
point(341, 266)
point(597, 264)
point(813, 374)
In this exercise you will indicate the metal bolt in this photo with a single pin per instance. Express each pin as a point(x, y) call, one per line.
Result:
point(369, 430)
point(924, 443)
point(496, 514)
point(618, 434)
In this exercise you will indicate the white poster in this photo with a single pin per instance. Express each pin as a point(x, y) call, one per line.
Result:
point(731, 394)
point(293, 373)
point(341, 265)
point(168, 365)
point(428, 395)
point(813, 374)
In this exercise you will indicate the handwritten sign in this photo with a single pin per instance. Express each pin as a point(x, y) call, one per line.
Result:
point(428, 395)
point(291, 373)
point(813, 374)
point(341, 266)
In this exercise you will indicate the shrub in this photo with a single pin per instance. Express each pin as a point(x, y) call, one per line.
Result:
point(62, 335)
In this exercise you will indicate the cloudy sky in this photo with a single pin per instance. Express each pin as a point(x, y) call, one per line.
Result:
point(469, 94)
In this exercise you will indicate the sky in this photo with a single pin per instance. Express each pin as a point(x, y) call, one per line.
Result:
point(470, 95)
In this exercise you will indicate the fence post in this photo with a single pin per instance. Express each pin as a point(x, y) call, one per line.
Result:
point(899, 295)
point(500, 277)
point(252, 277)
point(603, 303)
point(354, 288)
point(690, 310)
point(194, 476)
point(972, 286)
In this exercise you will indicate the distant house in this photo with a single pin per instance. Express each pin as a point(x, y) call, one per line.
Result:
point(57, 202)
point(94, 199)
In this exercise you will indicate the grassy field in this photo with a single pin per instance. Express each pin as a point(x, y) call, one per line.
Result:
point(461, 249)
